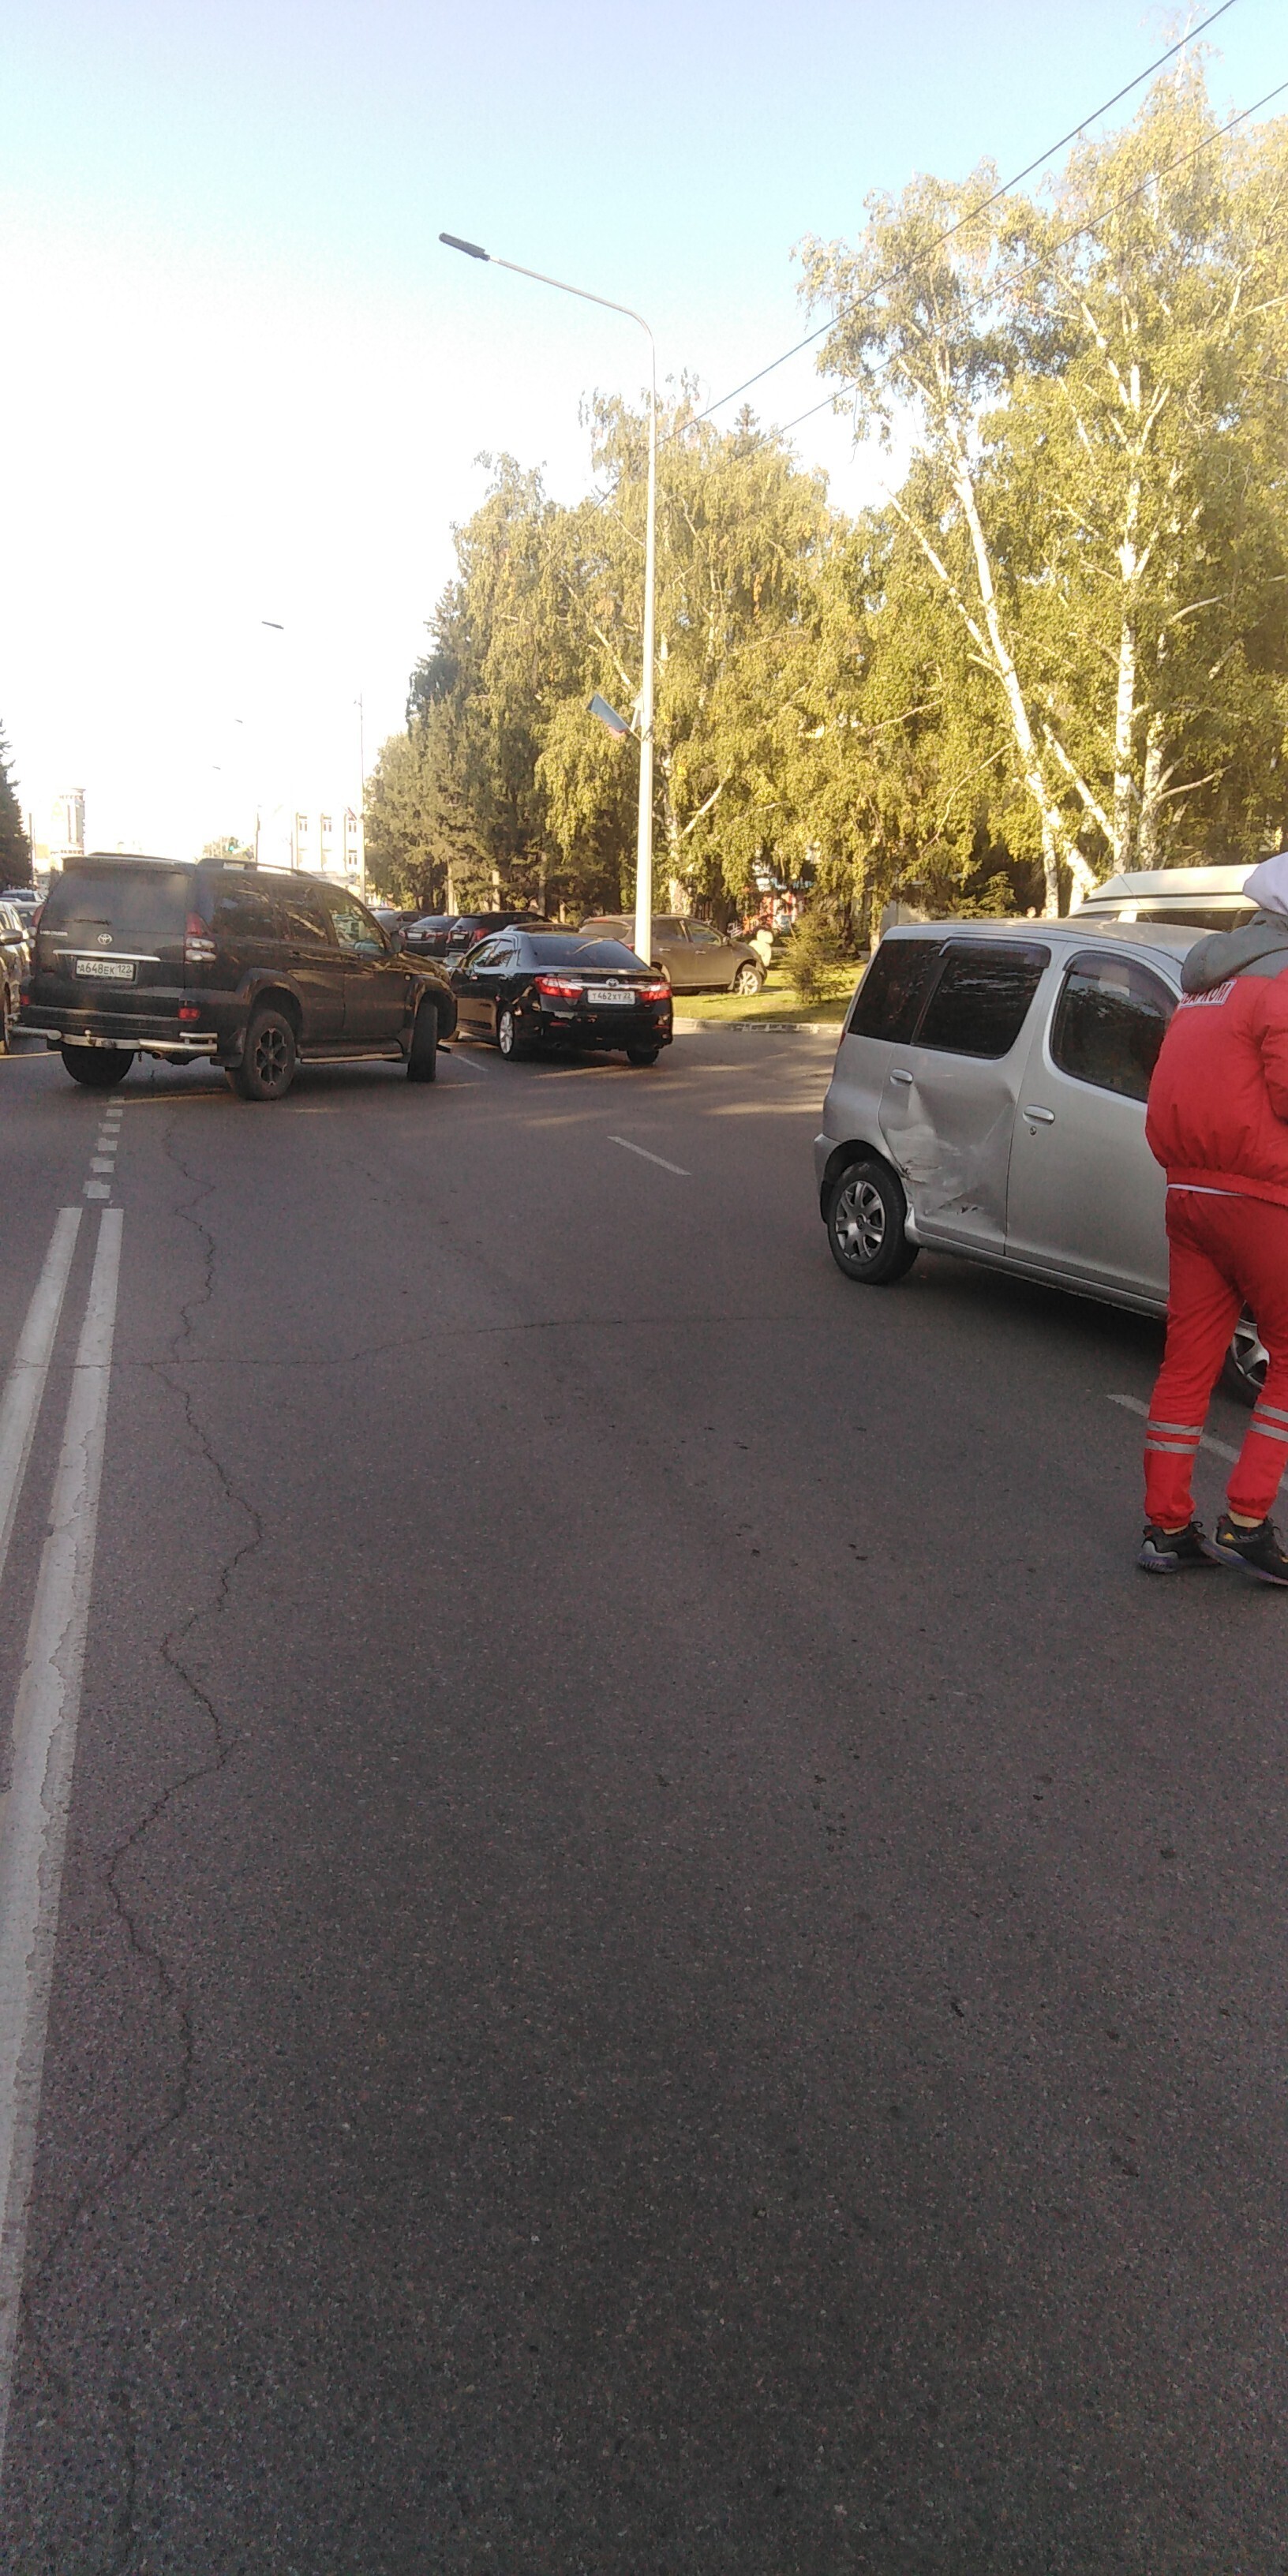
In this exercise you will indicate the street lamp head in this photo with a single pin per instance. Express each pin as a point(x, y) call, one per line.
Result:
point(471, 249)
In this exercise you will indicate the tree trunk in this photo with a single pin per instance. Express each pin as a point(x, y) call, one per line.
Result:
point(1055, 840)
point(1151, 797)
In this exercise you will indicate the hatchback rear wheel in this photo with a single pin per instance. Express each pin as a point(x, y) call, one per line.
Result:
point(1243, 1373)
point(867, 1222)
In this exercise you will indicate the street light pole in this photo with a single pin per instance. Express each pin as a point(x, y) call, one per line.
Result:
point(644, 831)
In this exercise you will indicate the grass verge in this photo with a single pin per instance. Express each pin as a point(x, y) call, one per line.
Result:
point(777, 1002)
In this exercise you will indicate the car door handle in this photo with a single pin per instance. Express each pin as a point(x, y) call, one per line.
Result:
point(901, 1077)
point(1044, 1117)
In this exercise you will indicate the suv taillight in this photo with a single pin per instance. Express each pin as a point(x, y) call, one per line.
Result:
point(198, 946)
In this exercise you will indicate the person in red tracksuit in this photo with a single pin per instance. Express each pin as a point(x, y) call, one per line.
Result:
point(1218, 1123)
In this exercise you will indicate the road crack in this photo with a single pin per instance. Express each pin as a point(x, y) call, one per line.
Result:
point(147, 1952)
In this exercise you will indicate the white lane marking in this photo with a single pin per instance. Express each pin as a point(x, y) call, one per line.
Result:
point(659, 1159)
point(1132, 1404)
point(34, 1833)
point(97, 1190)
point(25, 1384)
point(101, 1163)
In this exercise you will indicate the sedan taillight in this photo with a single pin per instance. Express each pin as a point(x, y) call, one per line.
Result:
point(561, 988)
point(654, 992)
point(198, 946)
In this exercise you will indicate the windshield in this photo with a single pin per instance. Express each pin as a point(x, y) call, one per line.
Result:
point(135, 906)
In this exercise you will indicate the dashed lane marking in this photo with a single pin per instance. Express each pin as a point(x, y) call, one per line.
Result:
point(1132, 1404)
point(34, 1833)
point(659, 1159)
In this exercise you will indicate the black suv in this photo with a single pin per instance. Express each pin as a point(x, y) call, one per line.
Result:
point(252, 968)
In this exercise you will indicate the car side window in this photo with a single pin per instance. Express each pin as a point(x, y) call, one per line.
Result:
point(702, 936)
point(303, 921)
point(354, 927)
point(981, 1001)
point(890, 996)
point(669, 927)
point(489, 953)
point(1109, 1023)
point(242, 912)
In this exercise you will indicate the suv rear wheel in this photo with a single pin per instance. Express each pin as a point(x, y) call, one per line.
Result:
point(748, 979)
point(867, 1217)
point(269, 1058)
point(99, 1068)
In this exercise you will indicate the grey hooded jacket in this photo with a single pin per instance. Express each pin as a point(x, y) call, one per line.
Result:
point(1260, 948)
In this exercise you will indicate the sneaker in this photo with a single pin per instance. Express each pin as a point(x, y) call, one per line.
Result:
point(1257, 1550)
point(1174, 1551)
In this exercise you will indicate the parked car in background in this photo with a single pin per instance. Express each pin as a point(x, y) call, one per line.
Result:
point(697, 958)
point(253, 968)
point(535, 990)
point(1189, 898)
point(428, 935)
point(450, 934)
point(988, 1098)
point(15, 960)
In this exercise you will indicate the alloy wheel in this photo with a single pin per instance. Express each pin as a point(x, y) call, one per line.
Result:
point(859, 1221)
point(272, 1055)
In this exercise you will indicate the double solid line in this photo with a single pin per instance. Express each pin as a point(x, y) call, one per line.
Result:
point(33, 1834)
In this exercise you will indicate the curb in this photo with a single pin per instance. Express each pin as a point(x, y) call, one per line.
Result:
point(686, 1028)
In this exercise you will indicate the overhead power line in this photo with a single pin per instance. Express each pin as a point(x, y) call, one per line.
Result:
point(1092, 225)
point(975, 212)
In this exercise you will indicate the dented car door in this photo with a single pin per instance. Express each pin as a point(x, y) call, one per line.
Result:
point(948, 1103)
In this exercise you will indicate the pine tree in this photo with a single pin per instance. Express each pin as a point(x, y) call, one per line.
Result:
point(15, 849)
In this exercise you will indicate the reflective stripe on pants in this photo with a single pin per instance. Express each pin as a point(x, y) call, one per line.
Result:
point(1226, 1253)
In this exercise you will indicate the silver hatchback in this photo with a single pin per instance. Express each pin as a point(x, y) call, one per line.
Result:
point(988, 1098)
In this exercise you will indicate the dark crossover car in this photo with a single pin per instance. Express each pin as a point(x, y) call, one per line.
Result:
point(449, 934)
point(697, 958)
point(255, 969)
point(15, 959)
point(554, 988)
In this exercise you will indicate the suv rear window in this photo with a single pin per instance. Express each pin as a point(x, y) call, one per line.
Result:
point(137, 905)
point(981, 1001)
point(894, 988)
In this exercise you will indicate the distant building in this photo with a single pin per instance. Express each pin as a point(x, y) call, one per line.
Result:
point(67, 827)
point(328, 843)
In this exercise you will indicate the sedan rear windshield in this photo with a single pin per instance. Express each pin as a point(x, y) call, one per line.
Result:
point(134, 906)
point(576, 951)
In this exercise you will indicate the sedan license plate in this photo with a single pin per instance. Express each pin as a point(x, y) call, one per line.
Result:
point(107, 970)
point(598, 993)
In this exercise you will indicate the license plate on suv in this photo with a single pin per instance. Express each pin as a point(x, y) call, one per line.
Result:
point(107, 970)
point(598, 993)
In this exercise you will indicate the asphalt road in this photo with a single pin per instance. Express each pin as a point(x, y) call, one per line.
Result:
point(667, 1960)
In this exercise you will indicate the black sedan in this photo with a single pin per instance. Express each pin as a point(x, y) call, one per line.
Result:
point(531, 989)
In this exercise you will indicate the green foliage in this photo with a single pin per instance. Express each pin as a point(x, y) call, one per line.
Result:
point(15, 849)
point(1059, 646)
point(811, 957)
point(227, 846)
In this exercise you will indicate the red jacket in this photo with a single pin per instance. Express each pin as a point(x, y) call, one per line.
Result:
point(1218, 1101)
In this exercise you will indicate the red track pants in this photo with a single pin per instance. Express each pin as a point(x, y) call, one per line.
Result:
point(1226, 1253)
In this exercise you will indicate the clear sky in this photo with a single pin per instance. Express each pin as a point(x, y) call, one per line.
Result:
point(242, 380)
